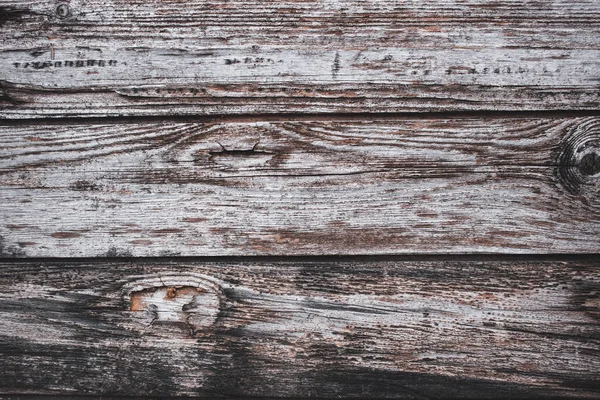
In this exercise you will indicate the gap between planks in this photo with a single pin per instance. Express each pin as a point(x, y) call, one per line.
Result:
point(381, 116)
point(375, 258)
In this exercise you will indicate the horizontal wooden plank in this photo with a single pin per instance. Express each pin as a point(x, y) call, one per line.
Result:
point(361, 329)
point(502, 185)
point(155, 57)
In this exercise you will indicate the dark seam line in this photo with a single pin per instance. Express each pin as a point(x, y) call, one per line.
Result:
point(484, 257)
point(300, 117)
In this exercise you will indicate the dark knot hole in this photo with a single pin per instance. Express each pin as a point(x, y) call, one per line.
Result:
point(589, 164)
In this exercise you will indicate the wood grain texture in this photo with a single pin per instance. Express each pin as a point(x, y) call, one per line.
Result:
point(507, 185)
point(156, 57)
point(202, 168)
point(302, 328)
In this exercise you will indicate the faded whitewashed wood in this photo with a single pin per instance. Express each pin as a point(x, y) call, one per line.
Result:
point(155, 57)
point(362, 329)
point(522, 185)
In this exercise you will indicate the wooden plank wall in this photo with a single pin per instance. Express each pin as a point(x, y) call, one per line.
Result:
point(299, 199)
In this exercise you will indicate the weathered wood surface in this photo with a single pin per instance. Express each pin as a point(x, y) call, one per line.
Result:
point(508, 185)
point(156, 57)
point(326, 174)
point(302, 328)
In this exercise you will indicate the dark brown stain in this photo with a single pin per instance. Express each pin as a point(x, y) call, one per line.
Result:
point(424, 226)
point(17, 227)
point(141, 242)
point(507, 233)
point(168, 230)
point(65, 235)
point(194, 220)
point(426, 214)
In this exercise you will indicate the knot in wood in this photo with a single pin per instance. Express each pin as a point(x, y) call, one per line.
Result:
point(173, 305)
point(590, 164)
point(578, 164)
point(63, 10)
